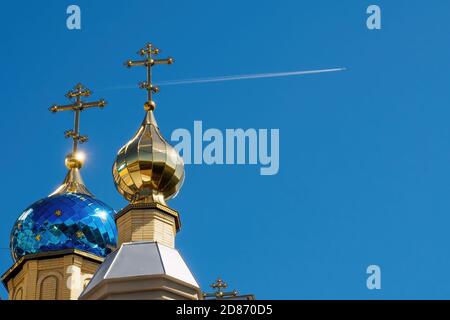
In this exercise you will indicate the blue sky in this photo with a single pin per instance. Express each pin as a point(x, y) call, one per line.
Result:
point(364, 154)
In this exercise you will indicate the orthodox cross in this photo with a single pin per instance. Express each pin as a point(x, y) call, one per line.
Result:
point(148, 51)
point(78, 106)
point(219, 285)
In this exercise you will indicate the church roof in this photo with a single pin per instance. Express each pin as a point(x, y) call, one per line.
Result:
point(65, 221)
point(142, 259)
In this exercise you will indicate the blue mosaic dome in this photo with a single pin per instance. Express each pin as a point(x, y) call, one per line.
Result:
point(65, 221)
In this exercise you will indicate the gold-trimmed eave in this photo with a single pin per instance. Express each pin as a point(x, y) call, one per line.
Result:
point(15, 268)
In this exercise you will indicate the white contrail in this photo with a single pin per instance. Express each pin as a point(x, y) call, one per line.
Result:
point(233, 78)
point(247, 76)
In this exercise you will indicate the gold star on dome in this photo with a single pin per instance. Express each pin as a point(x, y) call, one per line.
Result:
point(79, 234)
point(58, 213)
point(38, 237)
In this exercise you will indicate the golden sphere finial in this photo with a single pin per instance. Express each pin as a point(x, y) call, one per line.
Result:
point(149, 105)
point(74, 161)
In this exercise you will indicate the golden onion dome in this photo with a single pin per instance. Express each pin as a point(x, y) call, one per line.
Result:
point(148, 169)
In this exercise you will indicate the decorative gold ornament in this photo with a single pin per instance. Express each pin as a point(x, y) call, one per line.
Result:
point(148, 169)
point(74, 160)
point(58, 213)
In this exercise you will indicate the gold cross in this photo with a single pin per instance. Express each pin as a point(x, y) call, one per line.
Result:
point(148, 51)
point(78, 106)
point(220, 294)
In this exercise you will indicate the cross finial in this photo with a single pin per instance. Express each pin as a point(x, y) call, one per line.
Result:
point(219, 285)
point(148, 52)
point(73, 160)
